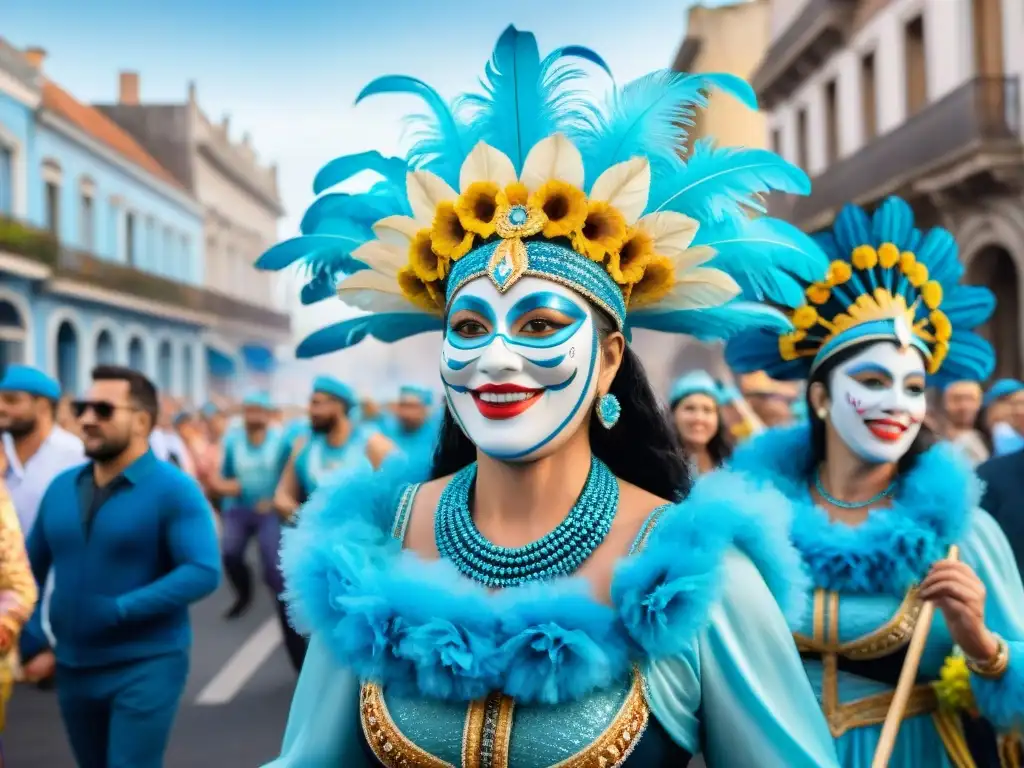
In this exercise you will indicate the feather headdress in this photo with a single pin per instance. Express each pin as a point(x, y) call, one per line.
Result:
point(528, 177)
point(887, 280)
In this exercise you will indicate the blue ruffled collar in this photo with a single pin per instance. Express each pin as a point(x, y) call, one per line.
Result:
point(895, 546)
point(420, 627)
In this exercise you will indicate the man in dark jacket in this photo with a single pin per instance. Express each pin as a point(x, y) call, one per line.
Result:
point(1004, 498)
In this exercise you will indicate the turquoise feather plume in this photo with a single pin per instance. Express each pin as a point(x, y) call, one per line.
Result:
point(714, 323)
point(386, 327)
point(341, 169)
point(649, 118)
point(721, 183)
point(526, 99)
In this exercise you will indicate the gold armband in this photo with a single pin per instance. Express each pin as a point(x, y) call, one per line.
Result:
point(995, 667)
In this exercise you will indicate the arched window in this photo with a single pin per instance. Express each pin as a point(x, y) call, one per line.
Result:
point(165, 367)
point(106, 352)
point(68, 353)
point(52, 183)
point(137, 354)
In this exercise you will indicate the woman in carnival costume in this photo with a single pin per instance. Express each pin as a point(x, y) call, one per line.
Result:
point(458, 614)
point(877, 504)
point(696, 401)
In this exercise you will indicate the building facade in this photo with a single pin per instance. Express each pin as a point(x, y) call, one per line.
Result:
point(241, 207)
point(731, 39)
point(919, 98)
point(101, 246)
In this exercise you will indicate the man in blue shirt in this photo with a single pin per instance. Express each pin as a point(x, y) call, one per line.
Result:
point(251, 465)
point(131, 544)
point(415, 428)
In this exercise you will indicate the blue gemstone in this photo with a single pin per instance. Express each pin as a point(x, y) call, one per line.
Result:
point(517, 216)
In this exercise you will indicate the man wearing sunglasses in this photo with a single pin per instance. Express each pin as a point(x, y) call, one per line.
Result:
point(131, 544)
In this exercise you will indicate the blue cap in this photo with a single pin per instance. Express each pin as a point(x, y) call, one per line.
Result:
point(694, 383)
point(423, 395)
point(24, 378)
point(258, 400)
point(999, 390)
point(329, 385)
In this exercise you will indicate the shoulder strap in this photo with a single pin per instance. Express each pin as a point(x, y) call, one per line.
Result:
point(400, 524)
point(647, 528)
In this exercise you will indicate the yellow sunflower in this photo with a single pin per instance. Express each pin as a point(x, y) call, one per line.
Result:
point(477, 206)
point(658, 278)
point(603, 231)
point(423, 259)
point(563, 204)
point(447, 235)
point(422, 293)
point(513, 194)
point(627, 264)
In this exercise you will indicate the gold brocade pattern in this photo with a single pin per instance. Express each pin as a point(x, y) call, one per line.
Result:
point(885, 640)
point(487, 733)
point(18, 591)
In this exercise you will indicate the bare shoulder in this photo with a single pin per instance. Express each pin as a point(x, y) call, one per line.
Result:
point(636, 504)
point(419, 536)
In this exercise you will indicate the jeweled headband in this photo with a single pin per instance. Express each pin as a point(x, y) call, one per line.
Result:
point(530, 178)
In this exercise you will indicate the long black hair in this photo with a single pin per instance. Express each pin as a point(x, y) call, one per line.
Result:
point(720, 445)
point(925, 439)
point(642, 448)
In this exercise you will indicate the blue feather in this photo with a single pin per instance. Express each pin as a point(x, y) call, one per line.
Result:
point(713, 323)
point(342, 169)
point(306, 247)
point(321, 287)
point(765, 256)
point(331, 209)
point(387, 327)
point(649, 117)
point(717, 183)
point(524, 98)
point(444, 141)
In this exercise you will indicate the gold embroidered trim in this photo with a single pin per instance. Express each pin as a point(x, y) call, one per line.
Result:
point(1011, 750)
point(614, 746)
point(501, 733)
point(388, 744)
point(889, 637)
point(472, 732)
point(950, 730)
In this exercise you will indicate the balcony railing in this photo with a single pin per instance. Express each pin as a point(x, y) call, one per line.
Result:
point(982, 116)
point(818, 29)
point(42, 247)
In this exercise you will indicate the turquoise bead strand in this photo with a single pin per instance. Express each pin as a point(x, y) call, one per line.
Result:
point(559, 553)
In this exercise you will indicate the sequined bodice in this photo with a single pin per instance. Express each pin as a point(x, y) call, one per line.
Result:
point(608, 729)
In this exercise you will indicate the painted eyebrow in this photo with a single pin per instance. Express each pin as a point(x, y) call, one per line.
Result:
point(544, 300)
point(870, 368)
point(475, 305)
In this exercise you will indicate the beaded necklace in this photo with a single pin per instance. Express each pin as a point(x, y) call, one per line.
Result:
point(820, 488)
point(559, 553)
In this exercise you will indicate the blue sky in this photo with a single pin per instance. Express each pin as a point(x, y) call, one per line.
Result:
point(287, 71)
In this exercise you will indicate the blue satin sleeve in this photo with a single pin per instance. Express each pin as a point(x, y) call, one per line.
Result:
point(988, 552)
point(323, 722)
point(741, 695)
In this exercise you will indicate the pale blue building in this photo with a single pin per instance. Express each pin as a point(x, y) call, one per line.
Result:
point(101, 247)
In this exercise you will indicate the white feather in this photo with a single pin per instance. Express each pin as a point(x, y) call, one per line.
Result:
point(625, 187)
point(552, 158)
point(399, 230)
point(672, 232)
point(382, 257)
point(699, 288)
point(692, 257)
point(485, 163)
point(426, 191)
point(373, 292)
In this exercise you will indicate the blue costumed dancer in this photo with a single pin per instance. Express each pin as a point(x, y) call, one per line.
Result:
point(696, 401)
point(877, 505)
point(541, 595)
point(413, 428)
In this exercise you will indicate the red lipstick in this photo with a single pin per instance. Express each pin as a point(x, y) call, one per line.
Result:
point(889, 430)
point(504, 401)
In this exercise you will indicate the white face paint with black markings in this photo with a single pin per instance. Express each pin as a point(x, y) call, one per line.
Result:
point(878, 401)
point(519, 368)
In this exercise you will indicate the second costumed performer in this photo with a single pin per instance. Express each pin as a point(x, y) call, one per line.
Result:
point(542, 595)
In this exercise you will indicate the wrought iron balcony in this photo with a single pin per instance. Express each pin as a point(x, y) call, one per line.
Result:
point(972, 133)
point(814, 35)
point(42, 247)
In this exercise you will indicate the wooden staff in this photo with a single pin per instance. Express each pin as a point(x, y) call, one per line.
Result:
point(908, 677)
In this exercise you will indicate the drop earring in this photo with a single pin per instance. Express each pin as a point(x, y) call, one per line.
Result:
point(822, 413)
point(608, 410)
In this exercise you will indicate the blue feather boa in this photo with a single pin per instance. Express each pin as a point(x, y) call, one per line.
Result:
point(419, 627)
point(894, 548)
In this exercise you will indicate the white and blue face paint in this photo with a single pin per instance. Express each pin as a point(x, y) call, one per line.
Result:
point(519, 368)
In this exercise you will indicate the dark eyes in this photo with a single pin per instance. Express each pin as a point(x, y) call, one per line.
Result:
point(541, 325)
point(877, 382)
point(469, 328)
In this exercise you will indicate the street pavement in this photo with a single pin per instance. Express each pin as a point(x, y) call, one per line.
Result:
point(232, 714)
